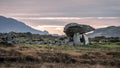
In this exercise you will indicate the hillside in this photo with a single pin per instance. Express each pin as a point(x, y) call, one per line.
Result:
point(9, 24)
point(111, 31)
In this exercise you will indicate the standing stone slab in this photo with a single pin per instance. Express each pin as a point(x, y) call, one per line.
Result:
point(76, 39)
point(80, 39)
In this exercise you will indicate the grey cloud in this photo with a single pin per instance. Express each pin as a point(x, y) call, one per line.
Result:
point(78, 8)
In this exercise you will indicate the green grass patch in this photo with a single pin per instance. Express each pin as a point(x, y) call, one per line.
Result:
point(91, 47)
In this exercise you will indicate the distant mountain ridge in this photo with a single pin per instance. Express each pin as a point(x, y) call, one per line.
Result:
point(9, 24)
point(111, 31)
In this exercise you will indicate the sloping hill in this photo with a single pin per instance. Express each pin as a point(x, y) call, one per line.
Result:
point(111, 31)
point(9, 24)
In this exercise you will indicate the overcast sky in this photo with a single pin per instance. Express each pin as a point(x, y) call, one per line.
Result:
point(52, 15)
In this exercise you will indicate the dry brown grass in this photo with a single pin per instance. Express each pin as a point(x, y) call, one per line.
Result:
point(44, 57)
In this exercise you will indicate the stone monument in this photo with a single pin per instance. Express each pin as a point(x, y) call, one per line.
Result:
point(76, 33)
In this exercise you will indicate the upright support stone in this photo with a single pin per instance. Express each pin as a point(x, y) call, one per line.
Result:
point(80, 39)
point(76, 39)
point(86, 40)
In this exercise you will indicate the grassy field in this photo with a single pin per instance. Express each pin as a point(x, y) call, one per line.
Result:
point(96, 55)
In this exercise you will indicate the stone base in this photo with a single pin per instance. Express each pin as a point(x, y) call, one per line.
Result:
point(80, 39)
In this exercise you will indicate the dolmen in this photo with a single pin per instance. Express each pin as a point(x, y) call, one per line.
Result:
point(76, 33)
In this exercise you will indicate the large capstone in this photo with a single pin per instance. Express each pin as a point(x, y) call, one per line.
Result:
point(76, 33)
